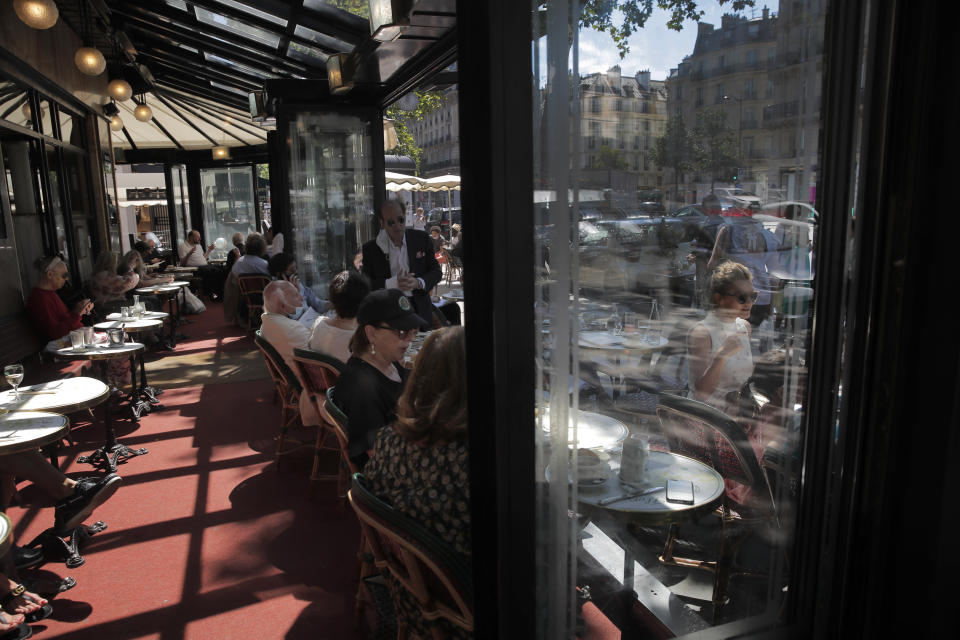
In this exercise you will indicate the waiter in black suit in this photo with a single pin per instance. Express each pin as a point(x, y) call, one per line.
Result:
point(400, 258)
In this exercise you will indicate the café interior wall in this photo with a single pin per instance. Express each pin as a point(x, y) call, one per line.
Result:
point(50, 53)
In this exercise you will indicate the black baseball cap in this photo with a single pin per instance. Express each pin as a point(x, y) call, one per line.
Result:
point(391, 307)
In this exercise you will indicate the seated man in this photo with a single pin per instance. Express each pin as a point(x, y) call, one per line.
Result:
point(192, 255)
point(253, 259)
point(280, 299)
point(148, 251)
point(283, 266)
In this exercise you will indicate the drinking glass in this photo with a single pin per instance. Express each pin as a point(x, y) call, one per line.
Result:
point(76, 338)
point(14, 375)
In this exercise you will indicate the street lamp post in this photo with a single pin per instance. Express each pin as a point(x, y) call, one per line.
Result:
point(739, 100)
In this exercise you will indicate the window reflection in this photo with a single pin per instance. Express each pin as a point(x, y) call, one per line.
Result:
point(675, 279)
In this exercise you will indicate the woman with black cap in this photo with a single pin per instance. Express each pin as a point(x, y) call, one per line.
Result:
point(373, 378)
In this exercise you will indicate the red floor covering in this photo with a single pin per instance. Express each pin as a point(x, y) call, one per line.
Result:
point(205, 538)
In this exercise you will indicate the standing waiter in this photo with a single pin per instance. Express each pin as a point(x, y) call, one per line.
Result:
point(400, 258)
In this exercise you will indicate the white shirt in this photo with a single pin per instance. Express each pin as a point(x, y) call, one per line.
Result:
point(285, 335)
point(191, 255)
point(331, 340)
point(276, 246)
point(399, 260)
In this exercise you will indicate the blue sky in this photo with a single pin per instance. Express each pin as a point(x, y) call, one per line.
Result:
point(655, 47)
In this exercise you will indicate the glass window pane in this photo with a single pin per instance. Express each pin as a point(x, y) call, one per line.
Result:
point(356, 7)
point(14, 105)
point(227, 205)
point(235, 26)
point(307, 55)
point(673, 312)
point(327, 42)
point(46, 117)
point(254, 12)
point(212, 57)
point(20, 164)
point(331, 200)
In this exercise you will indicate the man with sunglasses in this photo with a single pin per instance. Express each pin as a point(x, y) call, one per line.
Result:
point(401, 258)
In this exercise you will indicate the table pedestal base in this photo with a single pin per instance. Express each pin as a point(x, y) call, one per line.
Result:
point(66, 548)
point(108, 457)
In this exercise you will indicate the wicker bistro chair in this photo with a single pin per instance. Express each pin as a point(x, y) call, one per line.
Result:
point(251, 287)
point(318, 372)
point(430, 584)
point(286, 386)
point(337, 420)
point(697, 430)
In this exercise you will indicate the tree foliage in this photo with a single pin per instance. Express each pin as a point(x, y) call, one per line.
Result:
point(715, 145)
point(605, 16)
point(427, 102)
point(674, 149)
point(610, 158)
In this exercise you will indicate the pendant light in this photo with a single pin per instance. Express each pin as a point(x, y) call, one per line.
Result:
point(143, 113)
point(221, 153)
point(37, 14)
point(88, 59)
point(116, 124)
point(119, 89)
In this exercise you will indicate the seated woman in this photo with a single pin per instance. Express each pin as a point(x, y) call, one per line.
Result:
point(109, 289)
point(234, 254)
point(718, 347)
point(132, 262)
point(46, 308)
point(332, 336)
point(373, 379)
point(420, 462)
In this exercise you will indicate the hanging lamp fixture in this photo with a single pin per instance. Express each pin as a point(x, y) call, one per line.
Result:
point(37, 14)
point(143, 113)
point(88, 59)
point(116, 123)
point(221, 152)
point(119, 89)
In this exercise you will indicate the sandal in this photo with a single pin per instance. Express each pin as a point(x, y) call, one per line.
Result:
point(15, 626)
point(19, 601)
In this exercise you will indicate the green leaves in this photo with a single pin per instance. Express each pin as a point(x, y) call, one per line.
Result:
point(427, 102)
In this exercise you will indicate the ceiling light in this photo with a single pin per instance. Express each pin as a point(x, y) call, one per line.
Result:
point(38, 14)
point(119, 89)
point(116, 124)
point(90, 61)
point(143, 113)
point(389, 19)
point(221, 153)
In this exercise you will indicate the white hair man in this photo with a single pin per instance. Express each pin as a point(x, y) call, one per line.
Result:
point(281, 299)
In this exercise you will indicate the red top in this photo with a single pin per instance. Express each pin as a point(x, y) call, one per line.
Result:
point(47, 309)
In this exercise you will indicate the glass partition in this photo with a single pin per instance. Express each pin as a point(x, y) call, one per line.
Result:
point(331, 193)
point(676, 227)
point(228, 205)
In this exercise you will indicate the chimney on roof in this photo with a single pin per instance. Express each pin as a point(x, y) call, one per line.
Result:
point(766, 13)
point(727, 21)
point(643, 79)
point(704, 28)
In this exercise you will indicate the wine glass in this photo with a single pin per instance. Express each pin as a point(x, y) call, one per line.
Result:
point(14, 374)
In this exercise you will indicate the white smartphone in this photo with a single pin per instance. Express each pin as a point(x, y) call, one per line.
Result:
point(680, 491)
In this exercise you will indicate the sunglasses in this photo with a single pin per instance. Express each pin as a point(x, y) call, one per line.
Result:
point(743, 297)
point(398, 221)
point(403, 334)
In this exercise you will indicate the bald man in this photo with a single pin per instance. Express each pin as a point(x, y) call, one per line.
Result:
point(280, 299)
point(400, 258)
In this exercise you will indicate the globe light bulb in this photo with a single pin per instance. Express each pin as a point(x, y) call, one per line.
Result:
point(143, 113)
point(116, 124)
point(119, 89)
point(89, 61)
point(37, 14)
point(221, 153)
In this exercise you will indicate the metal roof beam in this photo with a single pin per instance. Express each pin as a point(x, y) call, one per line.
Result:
point(165, 132)
point(187, 107)
point(189, 87)
point(259, 133)
point(182, 117)
point(207, 74)
point(162, 44)
point(176, 92)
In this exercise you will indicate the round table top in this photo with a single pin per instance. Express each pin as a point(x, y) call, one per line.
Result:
point(653, 508)
point(147, 315)
point(28, 430)
point(65, 396)
point(130, 326)
point(6, 539)
point(169, 287)
point(100, 352)
point(594, 430)
point(182, 269)
point(454, 294)
point(639, 341)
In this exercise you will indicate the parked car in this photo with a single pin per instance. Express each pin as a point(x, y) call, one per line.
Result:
point(443, 218)
point(740, 197)
point(637, 256)
point(781, 210)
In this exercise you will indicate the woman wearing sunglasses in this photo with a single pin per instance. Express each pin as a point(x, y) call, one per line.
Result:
point(719, 347)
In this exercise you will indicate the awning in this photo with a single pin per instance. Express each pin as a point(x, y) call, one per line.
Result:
point(442, 183)
point(400, 182)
